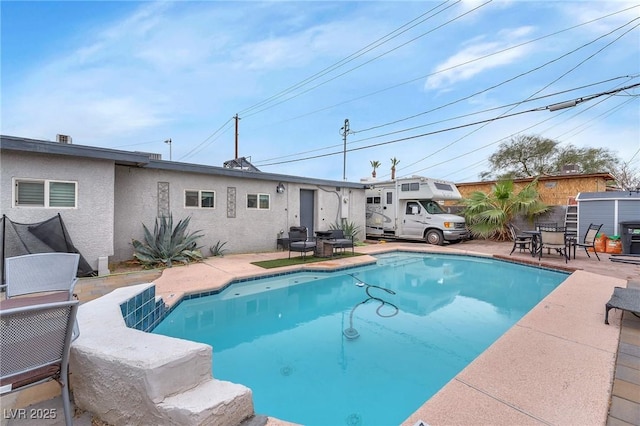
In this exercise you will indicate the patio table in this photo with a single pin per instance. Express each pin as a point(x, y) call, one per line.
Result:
point(535, 241)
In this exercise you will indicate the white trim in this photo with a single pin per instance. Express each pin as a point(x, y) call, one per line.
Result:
point(199, 206)
point(45, 183)
point(258, 195)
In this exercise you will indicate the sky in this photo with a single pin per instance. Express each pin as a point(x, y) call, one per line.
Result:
point(436, 85)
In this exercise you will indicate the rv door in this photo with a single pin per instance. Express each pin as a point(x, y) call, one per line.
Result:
point(412, 220)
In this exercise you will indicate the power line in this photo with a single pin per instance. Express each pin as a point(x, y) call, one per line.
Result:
point(502, 83)
point(202, 145)
point(551, 107)
point(445, 120)
point(579, 100)
point(367, 62)
point(519, 132)
point(453, 67)
point(377, 43)
point(508, 80)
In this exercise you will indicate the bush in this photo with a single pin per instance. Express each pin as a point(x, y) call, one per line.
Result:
point(217, 249)
point(350, 229)
point(167, 244)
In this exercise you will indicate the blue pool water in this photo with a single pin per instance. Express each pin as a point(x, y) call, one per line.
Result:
point(363, 346)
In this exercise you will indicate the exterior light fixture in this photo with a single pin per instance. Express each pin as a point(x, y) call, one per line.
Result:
point(168, 142)
point(280, 188)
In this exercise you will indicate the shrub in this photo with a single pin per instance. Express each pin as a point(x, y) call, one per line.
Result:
point(167, 244)
point(217, 249)
point(350, 229)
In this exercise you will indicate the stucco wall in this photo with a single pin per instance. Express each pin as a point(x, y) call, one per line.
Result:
point(90, 225)
point(251, 230)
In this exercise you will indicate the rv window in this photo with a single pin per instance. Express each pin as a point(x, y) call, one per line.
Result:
point(443, 186)
point(413, 208)
point(373, 200)
point(389, 197)
point(414, 186)
point(433, 207)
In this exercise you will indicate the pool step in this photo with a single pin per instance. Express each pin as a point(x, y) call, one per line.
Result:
point(211, 402)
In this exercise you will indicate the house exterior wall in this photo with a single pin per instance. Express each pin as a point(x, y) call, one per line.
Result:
point(138, 201)
point(553, 190)
point(90, 225)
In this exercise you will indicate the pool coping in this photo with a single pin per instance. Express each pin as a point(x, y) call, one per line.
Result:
point(493, 401)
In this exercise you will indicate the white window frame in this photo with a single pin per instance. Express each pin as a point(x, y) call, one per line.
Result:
point(47, 195)
point(200, 191)
point(258, 195)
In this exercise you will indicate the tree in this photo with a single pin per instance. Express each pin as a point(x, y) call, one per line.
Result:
point(394, 163)
point(375, 164)
point(530, 155)
point(627, 178)
point(488, 215)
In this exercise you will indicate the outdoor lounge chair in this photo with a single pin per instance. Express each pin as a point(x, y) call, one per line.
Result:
point(339, 241)
point(627, 299)
point(520, 241)
point(589, 241)
point(35, 342)
point(553, 240)
point(298, 242)
point(42, 272)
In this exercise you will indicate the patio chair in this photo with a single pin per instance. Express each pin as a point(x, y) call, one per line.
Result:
point(589, 240)
point(339, 241)
point(627, 299)
point(42, 272)
point(520, 241)
point(553, 240)
point(298, 242)
point(35, 342)
point(549, 226)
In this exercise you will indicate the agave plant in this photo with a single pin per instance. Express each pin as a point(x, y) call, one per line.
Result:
point(217, 249)
point(167, 244)
point(350, 229)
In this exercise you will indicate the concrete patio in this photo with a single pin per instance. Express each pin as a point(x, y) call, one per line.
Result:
point(558, 365)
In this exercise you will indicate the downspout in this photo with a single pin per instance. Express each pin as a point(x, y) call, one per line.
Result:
point(4, 236)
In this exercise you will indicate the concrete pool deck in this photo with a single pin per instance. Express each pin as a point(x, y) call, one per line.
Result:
point(555, 366)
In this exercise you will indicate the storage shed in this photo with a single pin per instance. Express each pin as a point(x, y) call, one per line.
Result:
point(607, 208)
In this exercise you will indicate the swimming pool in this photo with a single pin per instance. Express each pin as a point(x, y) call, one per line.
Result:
point(363, 346)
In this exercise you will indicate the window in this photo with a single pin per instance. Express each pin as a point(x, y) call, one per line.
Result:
point(443, 186)
point(258, 201)
point(414, 186)
point(432, 207)
point(373, 200)
point(199, 199)
point(389, 197)
point(413, 208)
point(45, 193)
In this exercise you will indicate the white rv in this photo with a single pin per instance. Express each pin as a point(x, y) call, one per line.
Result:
point(408, 208)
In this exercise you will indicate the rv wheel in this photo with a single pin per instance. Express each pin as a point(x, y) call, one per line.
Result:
point(434, 236)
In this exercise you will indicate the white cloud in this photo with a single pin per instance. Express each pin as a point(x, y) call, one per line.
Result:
point(466, 64)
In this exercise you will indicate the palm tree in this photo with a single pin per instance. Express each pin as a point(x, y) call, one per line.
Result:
point(375, 164)
point(394, 163)
point(488, 215)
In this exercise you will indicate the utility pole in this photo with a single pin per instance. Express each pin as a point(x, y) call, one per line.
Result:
point(168, 141)
point(344, 132)
point(237, 120)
